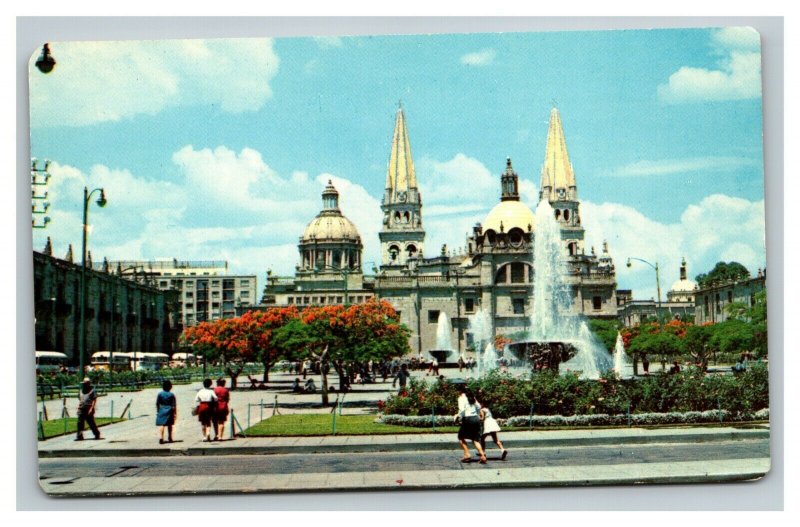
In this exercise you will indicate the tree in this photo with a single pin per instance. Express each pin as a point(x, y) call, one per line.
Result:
point(222, 340)
point(698, 343)
point(723, 272)
point(734, 336)
point(605, 331)
point(259, 327)
point(661, 343)
point(756, 316)
point(340, 336)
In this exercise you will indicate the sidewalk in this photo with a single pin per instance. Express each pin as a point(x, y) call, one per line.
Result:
point(127, 439)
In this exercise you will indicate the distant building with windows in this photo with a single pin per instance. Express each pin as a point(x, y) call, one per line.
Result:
point(680, 303)
point(121, 314)
point(205, 290)
point(710, 301)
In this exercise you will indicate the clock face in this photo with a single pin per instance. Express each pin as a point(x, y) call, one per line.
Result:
point(401, 196)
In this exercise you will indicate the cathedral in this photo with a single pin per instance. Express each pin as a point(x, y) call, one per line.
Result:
point(494, 273)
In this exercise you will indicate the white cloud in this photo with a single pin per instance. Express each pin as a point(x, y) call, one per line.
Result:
point(96, 82)
point(678, 166)
point(479, 58)
point(738, 75)
point(462, 181)
point(717, 228)
point(329, 42)
point(226, 206)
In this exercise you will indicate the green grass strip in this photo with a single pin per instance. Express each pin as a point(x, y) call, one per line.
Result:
point(322, 424)
point(55, 427)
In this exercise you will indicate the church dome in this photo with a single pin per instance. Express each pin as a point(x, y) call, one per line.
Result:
point(330, 227)
point(510, 214)
point(684, 285)
point(330, 224)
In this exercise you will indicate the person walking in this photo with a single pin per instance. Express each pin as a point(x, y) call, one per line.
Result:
point(490, 428)
point(205, 400)
point(166, 412)
point(87, 400)
point(402, 376)
point(221, 409)
point(469, 419)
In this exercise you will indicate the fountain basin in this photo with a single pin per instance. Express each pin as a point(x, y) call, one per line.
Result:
point(542, 354)
point(441, 355)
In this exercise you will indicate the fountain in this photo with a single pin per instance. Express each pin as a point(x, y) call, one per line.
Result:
point(558, 338)
point(444, 342)
point(621, 365)
point(488, 360)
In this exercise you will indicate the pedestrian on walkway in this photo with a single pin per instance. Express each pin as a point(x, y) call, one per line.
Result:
point(205, 400)
point(221, 409)
point(402, 377)
point(166, 411)
point(87, 400)
point(490, 428)
point(470, 428)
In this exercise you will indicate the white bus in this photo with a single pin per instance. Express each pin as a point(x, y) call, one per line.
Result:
point(148, 361)
point(50, 361)
point(102, 360)
point(182, 360)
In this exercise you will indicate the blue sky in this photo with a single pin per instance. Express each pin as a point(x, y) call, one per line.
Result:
point(220, 149)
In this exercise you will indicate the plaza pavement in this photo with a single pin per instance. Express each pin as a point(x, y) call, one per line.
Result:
point(137, 437)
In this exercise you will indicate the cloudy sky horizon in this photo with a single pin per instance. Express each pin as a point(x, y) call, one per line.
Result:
point(219, 149)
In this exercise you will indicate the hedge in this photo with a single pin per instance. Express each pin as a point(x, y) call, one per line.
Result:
point(543, 421)
point(548, 393)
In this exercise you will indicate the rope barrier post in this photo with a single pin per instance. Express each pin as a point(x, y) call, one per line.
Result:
point(719, 408)
point(341, 403)
point(65, 425)
point(130, 404)
point(44, 409)
point(530, 418)
point(248, 416)
point(232, 432)
point(433, 418)
point(275, 406)
point(41, 427)
point(629, 414)
point(112, 410)
point(261, 408)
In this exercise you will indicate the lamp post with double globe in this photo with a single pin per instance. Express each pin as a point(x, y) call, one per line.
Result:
point(101, 202)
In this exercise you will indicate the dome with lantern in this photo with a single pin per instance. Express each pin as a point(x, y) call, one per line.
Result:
point(510, 213)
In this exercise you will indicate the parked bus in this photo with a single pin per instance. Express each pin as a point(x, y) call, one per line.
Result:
point(102, 360)
point(148, 361)
point(182, 360)
point(50, 361)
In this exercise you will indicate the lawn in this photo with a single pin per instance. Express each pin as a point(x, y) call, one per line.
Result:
point(322, 424)
point(55, 427)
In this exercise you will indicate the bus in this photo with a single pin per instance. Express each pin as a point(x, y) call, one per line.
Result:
point(102, 361)
point(148, 361)
point(50, 361)
point(182, 360)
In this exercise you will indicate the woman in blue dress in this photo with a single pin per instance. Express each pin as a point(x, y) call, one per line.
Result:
point(166, 411)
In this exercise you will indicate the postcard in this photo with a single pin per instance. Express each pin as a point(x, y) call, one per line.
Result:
point(399, 262)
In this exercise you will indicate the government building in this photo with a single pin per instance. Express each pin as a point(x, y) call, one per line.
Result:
point(494, 272)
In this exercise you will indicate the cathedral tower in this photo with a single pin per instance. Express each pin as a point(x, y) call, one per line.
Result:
point(402, 236)
point(559, 188)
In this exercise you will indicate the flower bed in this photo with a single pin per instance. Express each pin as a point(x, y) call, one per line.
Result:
point(544, 421)
point(551, 394)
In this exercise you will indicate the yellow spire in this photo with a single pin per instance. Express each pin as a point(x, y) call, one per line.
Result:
point(401, 175)
point(557, 170)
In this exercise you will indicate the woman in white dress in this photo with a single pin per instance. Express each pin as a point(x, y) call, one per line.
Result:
point(490, 428)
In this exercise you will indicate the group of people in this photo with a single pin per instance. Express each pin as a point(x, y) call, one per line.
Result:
point(308, 387)
point(476, 425)
point(211, 407)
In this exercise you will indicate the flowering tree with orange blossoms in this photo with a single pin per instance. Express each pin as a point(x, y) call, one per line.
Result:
point(340, 336)
point(258, 328)
point(222, 340)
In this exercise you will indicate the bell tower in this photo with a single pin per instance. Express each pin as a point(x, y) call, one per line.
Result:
point(402, 235)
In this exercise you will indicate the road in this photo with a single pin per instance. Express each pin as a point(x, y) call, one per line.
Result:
point(437, 460)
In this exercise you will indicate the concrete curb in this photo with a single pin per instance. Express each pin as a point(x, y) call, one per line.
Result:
point(351, 445)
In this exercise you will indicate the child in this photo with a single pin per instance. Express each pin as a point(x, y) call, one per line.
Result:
point(490, 428)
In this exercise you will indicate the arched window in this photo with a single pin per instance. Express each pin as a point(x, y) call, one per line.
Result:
point(566, 215)
point(573, 248)
point(397, 217)
point(406, 217)
point(412, 250)
point(490, 236)
point(394, 250)
point(558, 213)
point(515, 236)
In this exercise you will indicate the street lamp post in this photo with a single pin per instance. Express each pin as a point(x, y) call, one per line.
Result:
point(658, 282)
point(101, 202)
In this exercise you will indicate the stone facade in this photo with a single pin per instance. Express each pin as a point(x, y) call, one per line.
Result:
point(495, 270)
point(710, 301)
point(121, 314)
